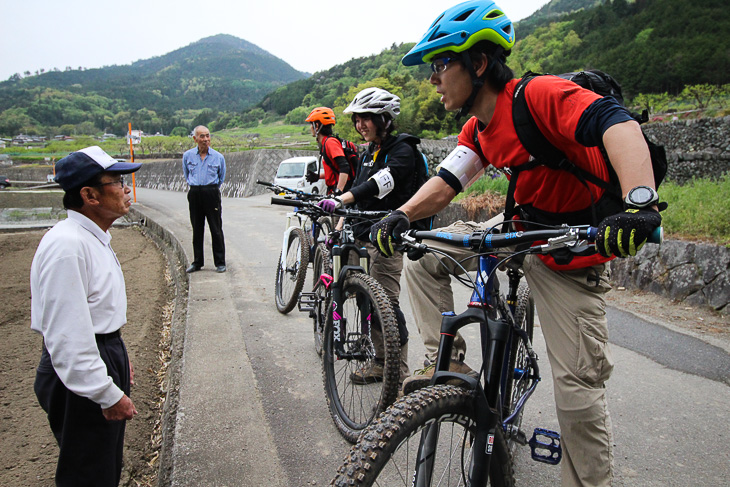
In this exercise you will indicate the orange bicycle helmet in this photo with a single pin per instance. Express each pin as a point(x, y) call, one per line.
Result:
point(323, 115)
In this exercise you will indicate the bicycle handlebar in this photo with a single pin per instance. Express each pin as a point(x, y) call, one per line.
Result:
point(277, 188)
point(555, 237)
point(346, 212)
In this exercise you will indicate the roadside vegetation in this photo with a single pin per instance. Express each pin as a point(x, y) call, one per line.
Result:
point(698, 210)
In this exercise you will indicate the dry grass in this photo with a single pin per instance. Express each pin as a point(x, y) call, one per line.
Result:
point(489, 202)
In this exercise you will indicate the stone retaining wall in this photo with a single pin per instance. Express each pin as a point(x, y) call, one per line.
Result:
point(693, 273)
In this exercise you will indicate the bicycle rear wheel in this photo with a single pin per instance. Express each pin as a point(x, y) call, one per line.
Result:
point(353, 402)
point(519, 371)
point(290, 274)
point(321, 264)
point(387, 453)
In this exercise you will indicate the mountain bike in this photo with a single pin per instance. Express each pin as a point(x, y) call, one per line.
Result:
point(465, 434)
point(299, 241)
point(358, 327)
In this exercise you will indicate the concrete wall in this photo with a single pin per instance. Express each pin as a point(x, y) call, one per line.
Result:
point(242, 171)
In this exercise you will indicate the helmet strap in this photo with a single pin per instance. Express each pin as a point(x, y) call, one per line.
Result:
point(317, 127)
point(476, 84)
point(476, 81)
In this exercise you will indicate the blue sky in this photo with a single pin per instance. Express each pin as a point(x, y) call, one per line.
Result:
point(310, 36)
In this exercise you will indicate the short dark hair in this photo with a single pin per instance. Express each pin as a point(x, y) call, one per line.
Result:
point(383, 128)
point(72, 199)
point(498, 73)
point(325, 129)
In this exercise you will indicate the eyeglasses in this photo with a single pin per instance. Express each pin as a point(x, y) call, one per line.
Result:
point(439, 65)
point(120, 182)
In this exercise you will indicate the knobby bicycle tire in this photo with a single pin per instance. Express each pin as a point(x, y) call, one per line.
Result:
point(517, 375)
point(290, 278)
point(386, 453)
point(321, 264)
point(352, 404)
point(325, 226)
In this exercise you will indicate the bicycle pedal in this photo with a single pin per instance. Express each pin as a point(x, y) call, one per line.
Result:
point(307, 301)
point(545, 446)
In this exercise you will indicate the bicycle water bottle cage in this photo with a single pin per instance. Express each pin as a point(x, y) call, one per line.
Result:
point(326, 280)
point(545, 446)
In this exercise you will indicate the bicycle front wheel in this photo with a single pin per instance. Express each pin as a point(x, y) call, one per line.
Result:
point(360, 384)
point(321, 264)
point(520, 371)
point(440, 422)
point(291, 273)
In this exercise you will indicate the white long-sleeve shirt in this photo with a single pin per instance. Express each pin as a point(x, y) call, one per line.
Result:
point(77, 291)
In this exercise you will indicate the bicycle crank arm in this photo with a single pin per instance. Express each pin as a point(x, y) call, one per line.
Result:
point(545, 446)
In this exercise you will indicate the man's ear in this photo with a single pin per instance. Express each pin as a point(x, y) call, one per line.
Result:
point(89, 195)
point(480, 67)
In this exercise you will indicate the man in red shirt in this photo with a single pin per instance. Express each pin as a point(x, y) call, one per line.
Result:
point(337, 170)
point(467, 48)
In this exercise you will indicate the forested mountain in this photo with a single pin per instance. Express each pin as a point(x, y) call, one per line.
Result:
point(649, 46)
point(219, 73)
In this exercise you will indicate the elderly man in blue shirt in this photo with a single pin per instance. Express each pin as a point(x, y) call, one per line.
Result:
point(205, 171)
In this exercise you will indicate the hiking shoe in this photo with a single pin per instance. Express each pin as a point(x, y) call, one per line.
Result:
point(422, 377)
point(368, 374)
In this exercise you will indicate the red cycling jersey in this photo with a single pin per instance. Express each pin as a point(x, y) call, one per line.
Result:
point(556, 105)
point(331, 149)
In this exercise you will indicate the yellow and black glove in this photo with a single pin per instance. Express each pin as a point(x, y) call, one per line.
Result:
point(385, 233)
point(623, 234)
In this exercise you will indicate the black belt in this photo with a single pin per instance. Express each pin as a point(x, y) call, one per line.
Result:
point(103, 337)
point(204, 186)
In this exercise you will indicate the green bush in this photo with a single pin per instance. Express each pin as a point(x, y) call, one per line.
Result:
point(496, 184)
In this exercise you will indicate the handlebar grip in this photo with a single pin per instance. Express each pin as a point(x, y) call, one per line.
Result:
point(286, 202)
point(656, 237)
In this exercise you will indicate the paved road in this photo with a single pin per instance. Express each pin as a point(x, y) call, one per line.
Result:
point(252, 407)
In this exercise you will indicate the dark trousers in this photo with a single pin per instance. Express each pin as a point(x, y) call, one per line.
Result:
point(90, 446)
point(205, 204)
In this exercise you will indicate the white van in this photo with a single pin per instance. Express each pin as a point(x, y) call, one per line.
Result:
point(292, 172)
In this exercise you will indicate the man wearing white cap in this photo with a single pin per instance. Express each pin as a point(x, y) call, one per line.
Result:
point(78, 304)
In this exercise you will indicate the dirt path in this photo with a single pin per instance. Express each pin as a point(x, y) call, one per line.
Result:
point(29, 451)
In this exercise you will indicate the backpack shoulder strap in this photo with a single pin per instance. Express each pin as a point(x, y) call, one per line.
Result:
point(532, 138)
point(325, 157)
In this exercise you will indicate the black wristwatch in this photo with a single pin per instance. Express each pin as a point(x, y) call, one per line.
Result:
point(641, 197)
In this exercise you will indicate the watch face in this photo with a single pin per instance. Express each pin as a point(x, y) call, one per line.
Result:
point(641, 195)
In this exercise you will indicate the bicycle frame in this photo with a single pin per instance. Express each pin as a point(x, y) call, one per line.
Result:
point(496, 335)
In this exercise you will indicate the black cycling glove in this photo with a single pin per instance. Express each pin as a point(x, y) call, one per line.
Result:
point(386, 232)
point(623, 234)
point(312, 177)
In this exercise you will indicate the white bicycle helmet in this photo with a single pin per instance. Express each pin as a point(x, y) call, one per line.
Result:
point(376, 101)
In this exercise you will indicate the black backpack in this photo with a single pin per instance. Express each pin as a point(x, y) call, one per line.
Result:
point(544, 153)
point(351, 154)
point(420, 177)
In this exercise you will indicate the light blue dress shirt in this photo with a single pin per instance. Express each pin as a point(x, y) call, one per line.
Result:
point(202, 172)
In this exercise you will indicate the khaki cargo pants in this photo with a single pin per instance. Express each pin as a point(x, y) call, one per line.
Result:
point(571, 309)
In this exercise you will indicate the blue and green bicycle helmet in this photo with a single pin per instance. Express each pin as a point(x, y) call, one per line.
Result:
point(459, 28)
